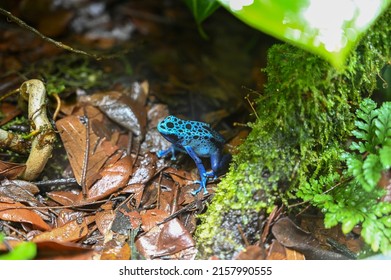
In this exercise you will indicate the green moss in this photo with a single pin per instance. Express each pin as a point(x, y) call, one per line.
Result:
point(67, 72)
point(305, 115)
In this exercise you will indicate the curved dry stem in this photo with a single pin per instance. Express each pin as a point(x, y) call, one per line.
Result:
point(44, 138)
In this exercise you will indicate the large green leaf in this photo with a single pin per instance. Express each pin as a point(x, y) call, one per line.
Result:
point(327, 28)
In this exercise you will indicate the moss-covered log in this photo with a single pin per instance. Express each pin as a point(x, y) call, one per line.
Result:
point(305, 116)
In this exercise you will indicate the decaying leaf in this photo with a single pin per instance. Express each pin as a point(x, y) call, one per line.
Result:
point(164, 240)
point(276, 251)
point(117, 248)
point(122, 110)
point(11, 170)
point(113, 178)
point(279, 252)
point(10, 212)
point(145, 171)
point(54, 250)
point(151, 217)
point(9, 112)
point(65, 198)
point(72, 231)
point(21, 191)
point(104, 220)
point(74, 136)
point(252, 252)
point(293, 237)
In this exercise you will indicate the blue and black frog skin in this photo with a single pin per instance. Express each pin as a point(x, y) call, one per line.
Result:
point(197, 139)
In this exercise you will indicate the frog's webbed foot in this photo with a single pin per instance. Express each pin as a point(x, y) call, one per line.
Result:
point(211, 174)
point(202, 183)
point(202, 187)
point(164, 153)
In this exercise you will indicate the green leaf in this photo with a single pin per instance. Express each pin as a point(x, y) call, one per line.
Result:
point(201, 10)
point(330, 29)
point(367, 111)
point(362, 125)
point(24, 251)
point(348, 225)
point(372, 170)
point(383, 122)
point(360, 134)
point(385, 157)
point(330, 220)
point(354, 165)
point(386, 221)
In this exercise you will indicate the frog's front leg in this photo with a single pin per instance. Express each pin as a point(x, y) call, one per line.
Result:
point(201, 170)
point(164, 153)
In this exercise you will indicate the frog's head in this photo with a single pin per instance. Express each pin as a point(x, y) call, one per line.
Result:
point(168, 128)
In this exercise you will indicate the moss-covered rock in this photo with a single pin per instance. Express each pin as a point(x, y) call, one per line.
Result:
point(303, 120)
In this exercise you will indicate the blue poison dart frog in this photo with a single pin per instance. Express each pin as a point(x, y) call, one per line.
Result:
point(197, 139)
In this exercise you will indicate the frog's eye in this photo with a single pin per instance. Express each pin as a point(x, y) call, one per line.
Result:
point(170, 125)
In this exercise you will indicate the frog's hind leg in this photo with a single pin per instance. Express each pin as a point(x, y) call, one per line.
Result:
point(201, 170)
point(219, 164)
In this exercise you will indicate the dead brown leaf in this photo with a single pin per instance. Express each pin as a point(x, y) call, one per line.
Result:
point(21, 191)
point(145, 171)
point(72, 231)
point(67, 215)
point(9, 112)
point(276, 251)
point(151, 217)
point(11, 170)
point(54, 250)
point(293, 237)
point(122, 110)
point(8, 212)
point(164, 240)
point(137, 190)
point(294, 255)
point(113, 178)
point(104, 220)
point(74, 136)
point(65, 198)
point(116, 249)
point(252, 252)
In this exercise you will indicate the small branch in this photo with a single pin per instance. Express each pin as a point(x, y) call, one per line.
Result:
point(22, 24)
point(85, 121)
point(56, 182)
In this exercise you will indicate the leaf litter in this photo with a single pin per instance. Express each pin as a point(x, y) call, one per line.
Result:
point(124, 193)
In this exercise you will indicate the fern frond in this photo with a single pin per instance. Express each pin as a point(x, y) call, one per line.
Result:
point(385, 156)
point(372, 168)
point(383, 123)
point(365, 127)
